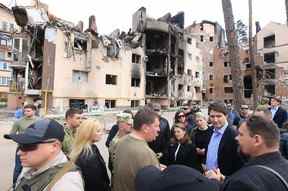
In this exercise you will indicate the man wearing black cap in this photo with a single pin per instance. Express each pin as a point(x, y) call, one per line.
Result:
point(45, 165)
point(173, 178)
point(279, 114)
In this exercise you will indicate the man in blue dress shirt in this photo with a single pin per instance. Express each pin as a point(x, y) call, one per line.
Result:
point(222, 150)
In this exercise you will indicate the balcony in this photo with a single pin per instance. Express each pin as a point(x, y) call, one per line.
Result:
point(17, 86)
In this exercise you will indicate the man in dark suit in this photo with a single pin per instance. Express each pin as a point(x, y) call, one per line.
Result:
point(259, 140)
point(279, 114)
point(222, 150)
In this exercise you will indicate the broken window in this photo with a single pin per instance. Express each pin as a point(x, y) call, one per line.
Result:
point(269, 57)
point(269, 41)
point(210, 64)
point(201, 27)
point(156, 40)
point(135, 103)
point(269, 90)
point(197, 74)
point(157, 64)
point(80, 44)
point(180, 87)
point(135, 82)
point(211, 38)
point(189, 72)
point(247, 86)
point(270, 74)
point(226, 80)
point(211, 90)
point(111, 79)
point(77, 103)
point(79, 76)
point(226, 64)
point(210, 77)
point(136, 58)
point(197, 89)
point(189, 40)
point(156, 86)
point(110, 103)
point(180, 68)
point(228, 89)
point(201, 38)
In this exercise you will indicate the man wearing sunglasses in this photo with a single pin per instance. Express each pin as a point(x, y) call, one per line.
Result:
point(45, 167)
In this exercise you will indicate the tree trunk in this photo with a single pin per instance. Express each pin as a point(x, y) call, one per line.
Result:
point(251, 57)
point(286, 6)
point(233, 53)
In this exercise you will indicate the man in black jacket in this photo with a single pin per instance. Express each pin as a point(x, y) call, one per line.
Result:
point(279, 114)
point(258, 139)
point(160, 145)
point(222, 151)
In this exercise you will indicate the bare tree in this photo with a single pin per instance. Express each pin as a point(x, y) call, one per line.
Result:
point(234, 53)
point(251, 57)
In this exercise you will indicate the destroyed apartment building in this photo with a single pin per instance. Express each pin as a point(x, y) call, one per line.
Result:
point(7, 28)
point(169, 78)
point(65, 66)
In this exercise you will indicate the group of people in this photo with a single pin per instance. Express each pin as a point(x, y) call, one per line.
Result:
point(221, 151)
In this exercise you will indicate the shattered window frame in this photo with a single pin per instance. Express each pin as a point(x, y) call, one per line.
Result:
point(109, 103)
point(135, 103)
point(110, 79)
point(136, 58)
point(135, 82)
point(228, 90)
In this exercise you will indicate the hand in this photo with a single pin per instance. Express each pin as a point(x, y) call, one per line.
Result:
point(162, 167)
point(200, 151)
point(215, 174)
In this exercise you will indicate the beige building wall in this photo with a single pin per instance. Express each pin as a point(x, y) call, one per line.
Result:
point(280, 48)
point(95, 87)
point(193, 69)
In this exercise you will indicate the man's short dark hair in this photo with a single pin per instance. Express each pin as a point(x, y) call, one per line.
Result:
point(267, 129)
point(144, 116)
point(71, 112)
point(30, 106)
point(218, 106)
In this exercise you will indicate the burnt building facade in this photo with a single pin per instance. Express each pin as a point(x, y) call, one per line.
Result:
point(167, 80)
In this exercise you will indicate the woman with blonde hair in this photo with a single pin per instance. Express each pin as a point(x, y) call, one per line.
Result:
point(87, 157)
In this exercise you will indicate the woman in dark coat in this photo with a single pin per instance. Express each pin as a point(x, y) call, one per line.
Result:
point(181, 150)
point(201, 136)
point(87, 157)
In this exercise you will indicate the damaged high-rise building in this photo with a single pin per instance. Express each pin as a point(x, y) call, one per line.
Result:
point(169, 78)
point(66, 67)
point(8, 29)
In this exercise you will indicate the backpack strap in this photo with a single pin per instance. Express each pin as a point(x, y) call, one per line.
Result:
point(69, 166)
point(275, 173)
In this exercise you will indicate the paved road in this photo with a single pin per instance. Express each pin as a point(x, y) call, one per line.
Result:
point(7, 147)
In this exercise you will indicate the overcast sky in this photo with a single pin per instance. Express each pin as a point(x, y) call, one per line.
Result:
point(112, 14)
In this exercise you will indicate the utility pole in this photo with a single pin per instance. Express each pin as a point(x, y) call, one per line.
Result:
point(251, 57)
